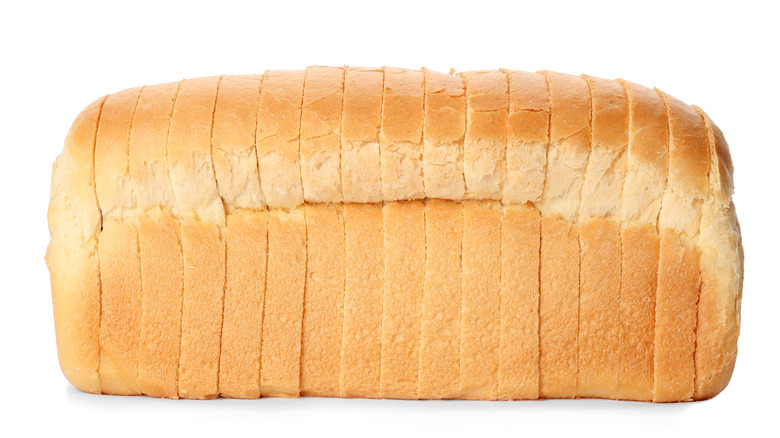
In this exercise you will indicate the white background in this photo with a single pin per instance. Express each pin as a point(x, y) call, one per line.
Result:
point(58, 57)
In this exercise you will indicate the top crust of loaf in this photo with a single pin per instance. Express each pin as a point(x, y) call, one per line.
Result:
point(572, 146)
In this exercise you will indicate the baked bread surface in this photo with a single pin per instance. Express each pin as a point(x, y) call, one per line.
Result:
point(392, 233)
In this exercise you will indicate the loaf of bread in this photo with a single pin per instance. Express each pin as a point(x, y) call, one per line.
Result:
point(359, 232)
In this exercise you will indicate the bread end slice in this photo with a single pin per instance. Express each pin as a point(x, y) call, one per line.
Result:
point(74, 222)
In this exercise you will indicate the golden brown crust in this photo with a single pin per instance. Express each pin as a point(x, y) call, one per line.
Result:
point(324, 301)
point(440, 326)
point(443, 133)
point(246, 244)
point(363, 286)
point(283, 309)
point(323, 96)
point(404, 240)
point(484, 146)
point(481, 297)
point(518, 367)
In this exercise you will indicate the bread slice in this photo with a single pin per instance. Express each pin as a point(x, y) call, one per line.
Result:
point(363, 288)
point(283, 309)
point(72, 256)
point(404, 241)
point(646, 175)
point(600, 258)
point(678, 271)
point(481, 300)
point(361, 174)
point(234, 157)
point(159, 246)
point(120, 292)
point(324, 300)
point(401, 132)
point(443, 133)
point(439, 372)
point(323, 97)
point(484, 147)
point(567, 158)
point(203, 246)
point(278, 138)
point(722, 258)
point(518, 367)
